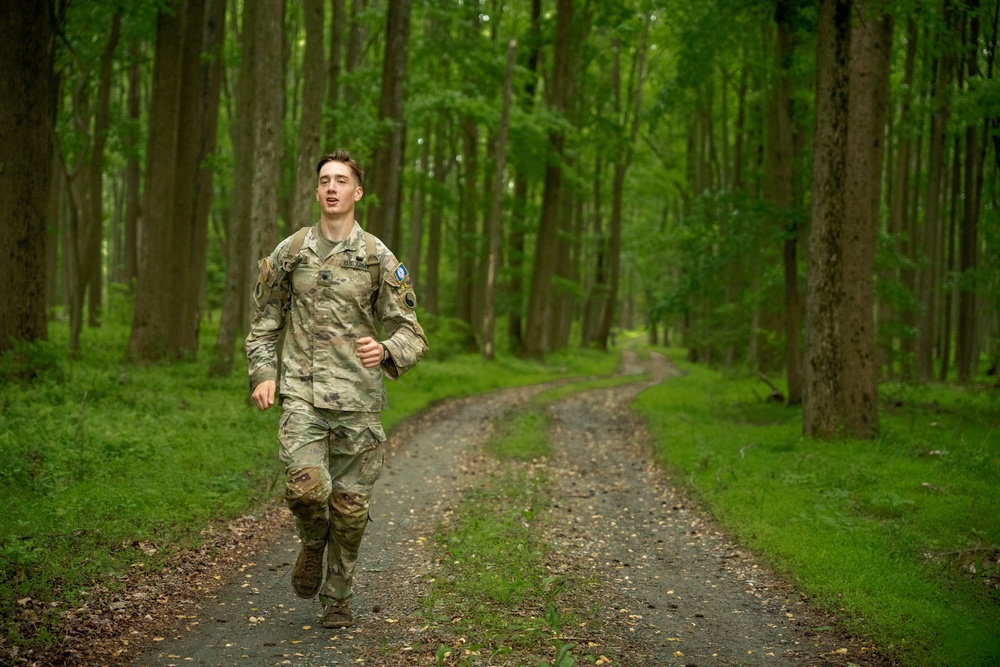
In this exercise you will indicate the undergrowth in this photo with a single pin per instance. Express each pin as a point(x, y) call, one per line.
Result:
point(107, 466)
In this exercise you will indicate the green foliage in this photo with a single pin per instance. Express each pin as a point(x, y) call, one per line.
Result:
point(25, 362)
point(105, 466)
point(899, 537)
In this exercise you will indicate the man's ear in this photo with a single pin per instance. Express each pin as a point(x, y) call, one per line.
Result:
point(358, 192)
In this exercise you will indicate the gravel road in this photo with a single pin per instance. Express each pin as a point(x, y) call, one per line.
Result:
point(666, 586)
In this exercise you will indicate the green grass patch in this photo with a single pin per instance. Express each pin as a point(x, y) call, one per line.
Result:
point(493, 555)
point(101, 461)
point(521, 435)
point(493, 586)
point(900, 535)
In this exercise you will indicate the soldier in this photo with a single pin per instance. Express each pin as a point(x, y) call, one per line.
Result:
point(329, 287)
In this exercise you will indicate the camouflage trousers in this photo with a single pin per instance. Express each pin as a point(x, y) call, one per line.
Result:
point(332, 460)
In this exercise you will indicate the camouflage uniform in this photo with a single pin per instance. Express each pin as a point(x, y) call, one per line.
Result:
point(331, 434)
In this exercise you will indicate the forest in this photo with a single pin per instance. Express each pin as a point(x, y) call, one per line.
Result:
point(807, 189)
point(790, 205)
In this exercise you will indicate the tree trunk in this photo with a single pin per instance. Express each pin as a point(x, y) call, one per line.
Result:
point(565, 275)
point(209, 76)
point(778, 189)
point(154, 334)
point(387, 165)
point(95, 178)
point(496, 210)
point(337, 21)
point(133, 171)
point(466, 242)
point(436, 220)
point(27, 128)
point(311, 118)
point(928, 278)
point(966, 348)
point(547, 242)
point(898, 209)
point(950, 264)
point(355, 46)
point(823, 388)
point(239, 264)
point(414, 256)
point(623, 161)
point(517, 227)
point(871, 46)
point(266, 129)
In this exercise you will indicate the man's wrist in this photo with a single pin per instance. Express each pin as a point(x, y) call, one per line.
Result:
point(385, 353)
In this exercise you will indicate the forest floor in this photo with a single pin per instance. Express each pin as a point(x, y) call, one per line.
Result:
point(664, 585)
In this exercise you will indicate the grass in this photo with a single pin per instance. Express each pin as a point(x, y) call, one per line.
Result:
point(493, 556)
point(107, 466)
point(900, 536)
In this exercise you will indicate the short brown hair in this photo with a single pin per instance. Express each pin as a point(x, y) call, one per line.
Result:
point(341, 155)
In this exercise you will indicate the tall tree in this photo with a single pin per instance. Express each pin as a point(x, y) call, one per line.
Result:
point(267, 72)
point(890, 310)
point(871, 45)
point(154, 332)
point(133, 171)
point(823, 398)
point(27, 119)
point(629, 123)
point(236, 296)
point(311, 117)
point(517, 228)
point(778, 189)
point(387, 165)
point(966, 349)
point(932, 233)
point(334, 65)
point(493, 254)
point(183, 112)
point(85, 222)
point(546, 243)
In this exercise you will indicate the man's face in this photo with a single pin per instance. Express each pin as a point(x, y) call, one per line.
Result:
point(337, 190)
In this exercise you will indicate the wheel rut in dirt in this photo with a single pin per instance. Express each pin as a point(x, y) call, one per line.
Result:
point(656, 581)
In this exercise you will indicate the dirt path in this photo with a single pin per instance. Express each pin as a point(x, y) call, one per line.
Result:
point(669, 589)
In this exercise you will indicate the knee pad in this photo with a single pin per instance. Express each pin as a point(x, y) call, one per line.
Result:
point(307, 488)
point(351, 506)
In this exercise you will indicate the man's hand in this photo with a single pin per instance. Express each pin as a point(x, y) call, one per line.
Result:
point(369, 351)
point(263, 394)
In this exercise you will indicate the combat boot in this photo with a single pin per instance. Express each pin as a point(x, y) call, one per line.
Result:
point(308, 573)
point(337, 616)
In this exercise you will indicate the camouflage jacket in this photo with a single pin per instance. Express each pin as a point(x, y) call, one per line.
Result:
point(333, 303)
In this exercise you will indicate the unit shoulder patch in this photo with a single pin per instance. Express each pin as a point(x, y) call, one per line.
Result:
point(401, 273)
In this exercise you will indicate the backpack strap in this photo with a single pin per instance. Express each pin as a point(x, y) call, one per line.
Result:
point(374, 268)
point(297, 240)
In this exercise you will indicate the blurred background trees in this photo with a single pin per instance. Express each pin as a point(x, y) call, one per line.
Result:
point(683, 168)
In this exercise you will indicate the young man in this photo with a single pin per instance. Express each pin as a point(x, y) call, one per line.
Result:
point(330, 287)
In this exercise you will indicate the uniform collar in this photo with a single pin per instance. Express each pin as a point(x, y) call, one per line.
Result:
point(353, 241)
